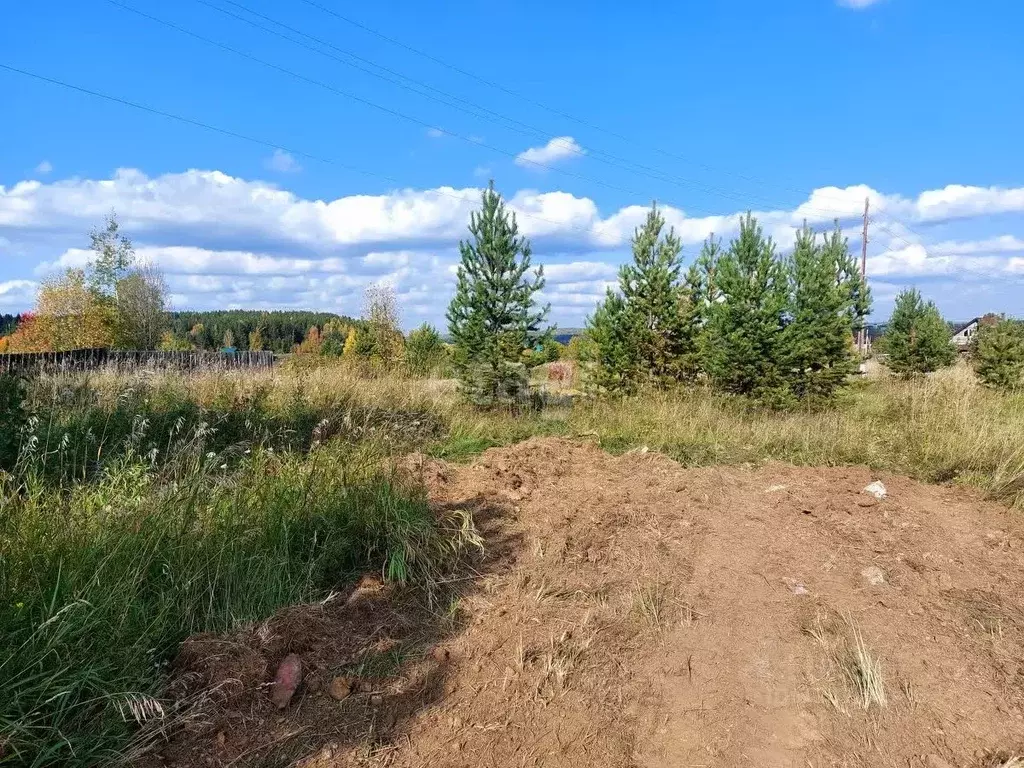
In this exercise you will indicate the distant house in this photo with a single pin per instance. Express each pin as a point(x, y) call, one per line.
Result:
point(964, 334)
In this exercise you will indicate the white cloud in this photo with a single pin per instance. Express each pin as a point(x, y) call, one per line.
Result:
point(857, 4)
point(17, 295)
point(249, 243)
point(982, 258)
point(283, 162)
point(44, 167)
point(435, 133)
point(559, 148)
point(209, 206)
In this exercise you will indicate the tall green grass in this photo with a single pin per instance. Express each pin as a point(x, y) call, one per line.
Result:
point(140, 509)
point(105, 572)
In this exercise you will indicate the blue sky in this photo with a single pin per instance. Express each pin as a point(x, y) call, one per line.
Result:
point(582, 113)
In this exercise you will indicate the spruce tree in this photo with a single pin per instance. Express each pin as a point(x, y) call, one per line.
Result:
point(917, 336)
point(493, 316)
point(743, 341)
point(827, 301)
point(645, 334)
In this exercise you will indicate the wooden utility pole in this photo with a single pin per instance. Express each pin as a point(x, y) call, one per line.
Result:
point(863, 341)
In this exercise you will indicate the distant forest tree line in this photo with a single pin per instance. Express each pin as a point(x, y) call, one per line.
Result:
point(744, 318)
point(244, 329)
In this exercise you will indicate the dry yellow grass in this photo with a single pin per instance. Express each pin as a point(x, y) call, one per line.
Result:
point(941, 428)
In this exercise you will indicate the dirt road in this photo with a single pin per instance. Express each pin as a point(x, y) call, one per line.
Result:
point(630, 612)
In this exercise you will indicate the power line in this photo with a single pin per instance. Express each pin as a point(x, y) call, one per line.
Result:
point(251, 139)
point(524, 128)
point(547, 107)
point(388, 110)
point(411, 118)
point(255, 140)
point(488, 114)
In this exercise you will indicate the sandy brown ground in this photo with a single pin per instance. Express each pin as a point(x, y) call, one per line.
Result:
point(630, 612)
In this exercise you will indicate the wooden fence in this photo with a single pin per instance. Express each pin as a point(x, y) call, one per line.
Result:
point(117, 359)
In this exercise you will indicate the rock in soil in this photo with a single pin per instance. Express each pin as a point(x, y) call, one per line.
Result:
point(287, 679)
point(873, 575)
point(340, 688)
point(876, 489)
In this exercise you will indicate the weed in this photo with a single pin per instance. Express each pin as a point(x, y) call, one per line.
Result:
point(865, 671)
point(650, 603)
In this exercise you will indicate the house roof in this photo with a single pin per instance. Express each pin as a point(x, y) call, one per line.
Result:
point(968, 324)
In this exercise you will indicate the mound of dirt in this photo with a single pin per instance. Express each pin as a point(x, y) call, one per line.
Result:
point(630, 612)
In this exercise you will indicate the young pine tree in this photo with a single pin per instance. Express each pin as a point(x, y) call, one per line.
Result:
point(827, 303)
point(493, 316)
point(645, 333)
point(743, 336)
point(998, 354)
point(424, 350)
point(917, 336)
point(700, 295)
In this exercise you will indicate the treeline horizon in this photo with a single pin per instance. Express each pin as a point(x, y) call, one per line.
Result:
point(280, 330)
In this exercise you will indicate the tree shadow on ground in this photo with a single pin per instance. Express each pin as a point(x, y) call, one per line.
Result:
point(381, 646)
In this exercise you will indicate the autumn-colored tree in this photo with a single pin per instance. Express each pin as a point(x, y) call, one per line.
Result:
point(72, 315)
point(197, 333)
point(311, 344)
point(349, 351)
point(140, 298)
point(30, 336)
point(382, 339)
point(332, 338)
point(171, 342)
point(256, 340)
point(112, 302)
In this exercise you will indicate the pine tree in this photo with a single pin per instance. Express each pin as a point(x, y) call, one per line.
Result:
point(424, 350)
point(493, 316)
point(608, 350)
point(827, 304)
point(918, 337)
point(998, 354)
point(744, 329)
point(700, 295)
point(646, 333)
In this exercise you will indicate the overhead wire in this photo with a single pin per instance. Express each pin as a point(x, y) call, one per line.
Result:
point(561, 113)
point(517, 125)
point(473, 108)
point(403, 115)
point(253, 139)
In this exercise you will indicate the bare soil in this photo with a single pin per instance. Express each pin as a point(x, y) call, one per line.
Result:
point(631, 612)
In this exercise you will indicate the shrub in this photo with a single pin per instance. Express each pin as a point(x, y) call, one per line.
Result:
point(561, 372)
